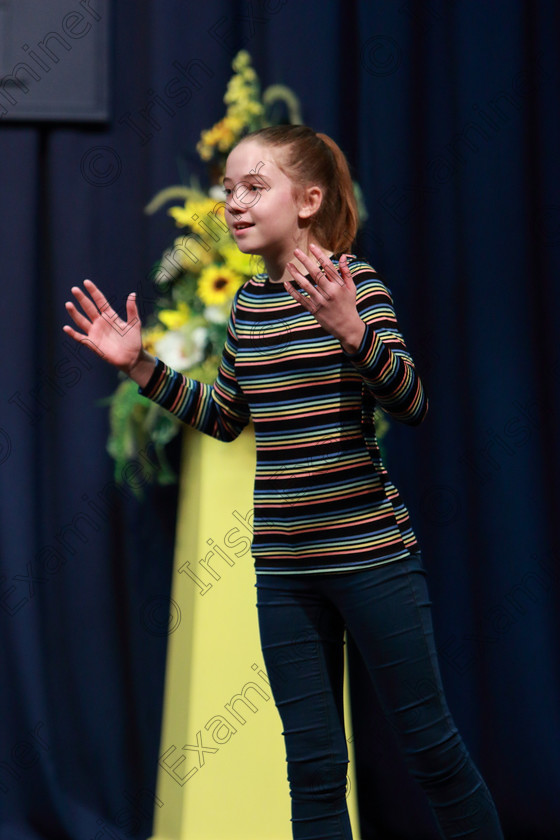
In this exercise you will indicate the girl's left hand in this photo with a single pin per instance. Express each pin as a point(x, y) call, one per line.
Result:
point(332, 300)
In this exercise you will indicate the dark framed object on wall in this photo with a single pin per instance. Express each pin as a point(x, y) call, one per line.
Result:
point(54, 59)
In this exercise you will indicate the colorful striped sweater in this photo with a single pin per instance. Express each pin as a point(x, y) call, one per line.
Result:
point(323, 500)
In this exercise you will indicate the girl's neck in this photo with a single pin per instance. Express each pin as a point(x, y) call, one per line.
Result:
point(277, 269)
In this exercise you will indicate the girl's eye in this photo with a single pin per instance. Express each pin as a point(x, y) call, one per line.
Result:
point(242, 189)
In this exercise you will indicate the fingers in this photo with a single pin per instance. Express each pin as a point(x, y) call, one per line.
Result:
point(324, 273)
point(325, 262)
point(131, 309)
point(72, 332)
point(318, 290)
point(98, 305)
point(83, 339)
point(95, 304)
point(314, 297)
point(346, 273)
point(341, 275)
point(310, 264)
point(96, 309)
point(99, 298)
point(85, 302)
point(77, 317)
point(297, 295)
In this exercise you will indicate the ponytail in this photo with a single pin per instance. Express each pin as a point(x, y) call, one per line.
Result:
point(309, 158)
point(341, 222)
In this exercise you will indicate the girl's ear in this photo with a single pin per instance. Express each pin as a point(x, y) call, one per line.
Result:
point(310, 202)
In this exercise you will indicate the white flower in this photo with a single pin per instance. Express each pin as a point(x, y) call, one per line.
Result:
point(215, 314)
point(199, 336)
point(217, 192)
point(181, 349)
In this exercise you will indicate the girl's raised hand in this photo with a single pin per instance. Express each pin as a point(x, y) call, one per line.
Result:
point(332, 300)
point(118, 342)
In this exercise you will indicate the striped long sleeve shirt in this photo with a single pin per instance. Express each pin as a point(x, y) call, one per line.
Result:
point(323, 501)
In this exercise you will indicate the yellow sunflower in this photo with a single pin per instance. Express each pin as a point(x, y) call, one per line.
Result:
point(218, 284)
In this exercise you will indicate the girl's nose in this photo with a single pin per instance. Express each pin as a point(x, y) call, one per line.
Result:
point(234, 208)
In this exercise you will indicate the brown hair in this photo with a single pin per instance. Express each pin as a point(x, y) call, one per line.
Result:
point(311, 158)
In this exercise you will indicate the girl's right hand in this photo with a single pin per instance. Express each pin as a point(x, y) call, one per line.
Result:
point(118, 342)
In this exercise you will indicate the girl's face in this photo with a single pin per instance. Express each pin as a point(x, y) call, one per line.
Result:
point(262, 212)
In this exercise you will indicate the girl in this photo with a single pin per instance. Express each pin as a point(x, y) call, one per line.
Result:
point(312, 346)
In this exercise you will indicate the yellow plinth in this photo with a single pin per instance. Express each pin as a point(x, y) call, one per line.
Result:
point(222, 765)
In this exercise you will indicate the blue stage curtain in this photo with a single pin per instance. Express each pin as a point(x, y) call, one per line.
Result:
point(449, 114)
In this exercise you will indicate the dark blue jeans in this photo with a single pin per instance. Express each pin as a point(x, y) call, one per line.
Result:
point(387, 611)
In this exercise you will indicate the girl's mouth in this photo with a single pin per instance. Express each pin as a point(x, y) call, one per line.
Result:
point(241, 227)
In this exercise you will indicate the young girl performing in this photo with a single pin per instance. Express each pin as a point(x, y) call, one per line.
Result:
point(312, 346)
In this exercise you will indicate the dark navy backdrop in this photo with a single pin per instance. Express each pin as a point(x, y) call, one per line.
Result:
point(448, 112)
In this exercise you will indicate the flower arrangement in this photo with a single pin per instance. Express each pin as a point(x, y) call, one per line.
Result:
point(195, 279)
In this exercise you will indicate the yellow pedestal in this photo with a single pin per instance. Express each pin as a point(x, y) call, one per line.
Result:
point(222, 765)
